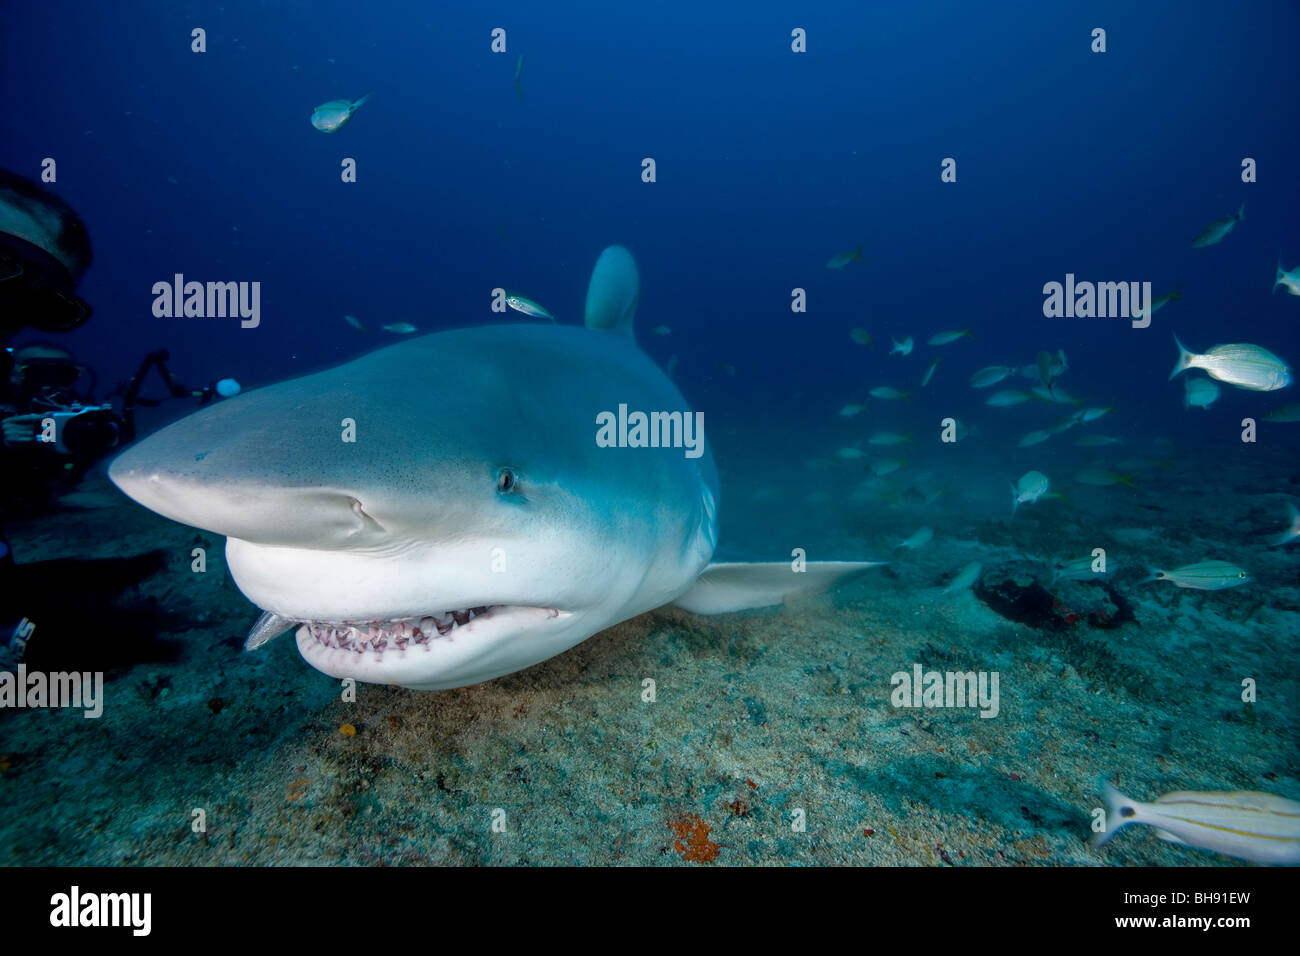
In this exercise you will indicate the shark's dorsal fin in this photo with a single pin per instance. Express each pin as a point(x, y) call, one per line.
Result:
point(736, 586)
point(613, 292)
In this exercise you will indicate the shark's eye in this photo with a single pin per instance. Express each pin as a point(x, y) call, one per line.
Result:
point(506, 481)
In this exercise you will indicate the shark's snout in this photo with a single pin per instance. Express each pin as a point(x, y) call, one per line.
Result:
point(253, 511)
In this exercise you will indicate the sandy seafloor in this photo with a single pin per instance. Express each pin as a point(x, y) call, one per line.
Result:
point(756, 714)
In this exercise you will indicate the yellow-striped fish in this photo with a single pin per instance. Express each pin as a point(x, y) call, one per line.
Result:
point(1087, 568)
point(1246, 366)
point(1204, 576)
point(1245, 824)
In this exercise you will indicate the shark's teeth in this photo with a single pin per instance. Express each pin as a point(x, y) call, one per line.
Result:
point(375, 637)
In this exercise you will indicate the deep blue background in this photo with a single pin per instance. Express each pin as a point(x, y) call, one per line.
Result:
point(768, 162)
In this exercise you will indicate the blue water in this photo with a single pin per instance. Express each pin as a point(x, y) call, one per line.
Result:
point(1104, 165)
point(768, 162)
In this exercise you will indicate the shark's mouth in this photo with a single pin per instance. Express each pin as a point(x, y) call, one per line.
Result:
point(362, 637)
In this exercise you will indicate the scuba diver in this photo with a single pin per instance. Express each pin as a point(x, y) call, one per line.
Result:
point(53, 430)
point(52, 427)
point(44, 252)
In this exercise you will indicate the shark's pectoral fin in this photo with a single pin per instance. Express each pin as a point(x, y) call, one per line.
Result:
point(268, 627)
point(736, 586)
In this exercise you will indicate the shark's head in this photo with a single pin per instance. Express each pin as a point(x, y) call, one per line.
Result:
point(439, 512)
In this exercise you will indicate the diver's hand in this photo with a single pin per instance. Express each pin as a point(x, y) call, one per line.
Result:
point(22, 429)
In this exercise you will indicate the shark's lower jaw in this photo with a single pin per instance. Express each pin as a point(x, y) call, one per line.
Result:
point(440, 650)
point(376, 637)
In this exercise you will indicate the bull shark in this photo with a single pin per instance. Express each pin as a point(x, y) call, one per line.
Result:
point(440, 512)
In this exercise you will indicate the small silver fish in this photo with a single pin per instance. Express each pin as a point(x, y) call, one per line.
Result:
point(661, 330)
point(1292, 530)
point(1103, 479)
point(860, 335)
point(1245, 824)
point(353, 321)
point(1031, 486)
point(987, 377)
point(1216, 230)
point(1161, 301)
point(917, 540)
point(1046, 369)
point(887, 392)
point(842, 259)
point(1092, 414)
point(929, 373)
point(1055, 393)
point(333, 116)
point(1204, 576)
point(1246, 366)
point(1098, 441)
point(1034, 438)
point(1287, 280)
point(401, 328)
point(528, 307)
point(946, 338)
point(964, 578)
point(1199, 392)
point(888, 438)
point(1007, 397)
point(902, 348)
point(1080, 569)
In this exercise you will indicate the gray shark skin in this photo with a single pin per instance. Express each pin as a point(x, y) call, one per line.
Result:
point(474, 527)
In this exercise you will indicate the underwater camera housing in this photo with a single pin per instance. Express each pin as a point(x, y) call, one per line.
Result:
point(86, 432)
